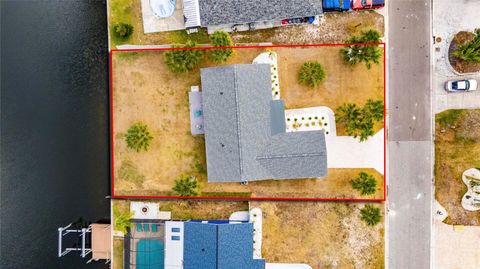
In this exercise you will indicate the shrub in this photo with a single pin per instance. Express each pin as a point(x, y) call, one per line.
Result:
point(138, 137)
point(186, 186)
point(121, 220)
point(181, 61)
point(122, 30)
point(220, 39)
point(470, 50)
point(358, 121)
point(365, 183)
point(362, 53)
point(371, 215)
point(311, 73)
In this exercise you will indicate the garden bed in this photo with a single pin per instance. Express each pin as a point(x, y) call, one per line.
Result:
point(457, 64)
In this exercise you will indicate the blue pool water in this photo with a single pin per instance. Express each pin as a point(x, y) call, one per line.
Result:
point(150, 254)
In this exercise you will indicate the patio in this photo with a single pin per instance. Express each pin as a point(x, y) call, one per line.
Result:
point(153, 24)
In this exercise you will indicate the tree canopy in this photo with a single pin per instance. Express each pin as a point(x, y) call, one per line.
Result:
point(220, 39)
point(122, 30)
point(311, 73)
point(138, 137)
point(121, 219)
point(365, 183)
point(362, 53)
point(371, 215)
point(183, 58)
point(186, 186)
point(359, 121)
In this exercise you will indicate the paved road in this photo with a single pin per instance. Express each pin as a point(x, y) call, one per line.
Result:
point(409, 135)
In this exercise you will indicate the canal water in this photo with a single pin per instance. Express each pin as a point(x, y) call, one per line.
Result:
point(54, 127)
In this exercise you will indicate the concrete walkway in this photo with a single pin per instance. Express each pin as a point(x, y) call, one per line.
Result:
point(456, 247)
point(349, 152)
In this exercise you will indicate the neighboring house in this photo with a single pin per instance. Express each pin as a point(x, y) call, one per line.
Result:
point(158, 242)
point(245, 130)
point(229, 15)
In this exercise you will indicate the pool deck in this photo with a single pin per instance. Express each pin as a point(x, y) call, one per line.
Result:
point(153, 24)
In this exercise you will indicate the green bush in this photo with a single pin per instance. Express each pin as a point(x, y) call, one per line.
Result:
point(138, 137)
point(371, 215)
point(121, 220)
point(362, 53)
point(359, 122)
point(365, 183)
point(220, 39)
point(470, 51)
point(122, 30)
point(311, 74)
point(186, 186)
point(181, 61)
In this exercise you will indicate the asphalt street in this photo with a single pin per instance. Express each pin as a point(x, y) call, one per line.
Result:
point(410, 142)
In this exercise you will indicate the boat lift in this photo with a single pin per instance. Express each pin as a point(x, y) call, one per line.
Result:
point(85, 245)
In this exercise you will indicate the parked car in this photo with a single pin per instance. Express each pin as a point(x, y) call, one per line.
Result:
point(336, 5)
point(367, 4)
point(465, 85)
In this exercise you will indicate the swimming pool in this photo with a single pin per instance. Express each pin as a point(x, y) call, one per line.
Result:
point(150, 254)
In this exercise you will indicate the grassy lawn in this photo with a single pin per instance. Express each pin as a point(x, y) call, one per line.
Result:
point(118, 245)
point(334, 28)
point(323, 235)
point(457, 148)
point(145, 90)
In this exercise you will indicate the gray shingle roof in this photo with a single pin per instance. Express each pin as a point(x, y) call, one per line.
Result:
point(215, 12)
point(242, 141)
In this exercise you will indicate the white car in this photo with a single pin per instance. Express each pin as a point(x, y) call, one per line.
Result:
point(465, 85)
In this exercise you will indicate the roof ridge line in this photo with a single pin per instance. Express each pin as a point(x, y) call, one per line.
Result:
point(237, 113)
point(282, 156)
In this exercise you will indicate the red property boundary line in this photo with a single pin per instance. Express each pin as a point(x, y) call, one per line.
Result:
point(234, 198)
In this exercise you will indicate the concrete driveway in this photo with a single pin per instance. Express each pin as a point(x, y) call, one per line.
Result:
point(449, 18)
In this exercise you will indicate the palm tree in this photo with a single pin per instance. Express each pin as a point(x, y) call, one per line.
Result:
point(469, 52)
point(371, 215)
point(186, 186)
point(183, 60)
point(138, 137)
point(365, 183)
point(311, 73)
point(121, 219)
point(375, 109)
point(220, 39)
point(362, 53)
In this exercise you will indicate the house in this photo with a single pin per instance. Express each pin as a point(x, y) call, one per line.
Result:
point(245, 133)
point(154, 242)
point(227, 15)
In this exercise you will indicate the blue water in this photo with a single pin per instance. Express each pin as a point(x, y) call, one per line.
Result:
point(150, 254)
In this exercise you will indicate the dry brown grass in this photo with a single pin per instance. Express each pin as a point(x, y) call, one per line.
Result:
point(323, 235)
point(145, 90)
point(334, 28)
point(456, 151)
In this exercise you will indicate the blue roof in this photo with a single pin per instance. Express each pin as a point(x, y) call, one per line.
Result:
point(219, 246)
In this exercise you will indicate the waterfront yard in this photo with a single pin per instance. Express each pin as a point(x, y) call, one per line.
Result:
point(323, 235)
point(457, 148)
point(334, 28)
point(144, 90)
